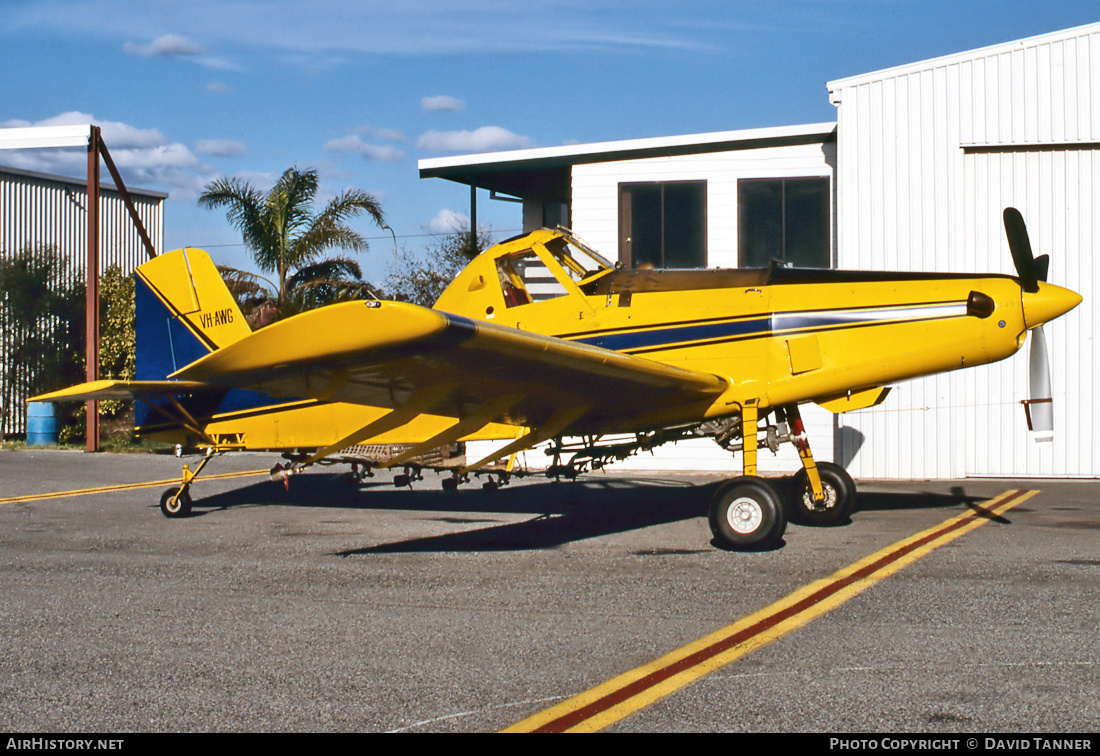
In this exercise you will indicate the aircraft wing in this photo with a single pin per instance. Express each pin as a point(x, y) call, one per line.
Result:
point(405, 357)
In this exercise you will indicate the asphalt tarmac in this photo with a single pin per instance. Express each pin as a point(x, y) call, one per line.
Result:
point(334, 607)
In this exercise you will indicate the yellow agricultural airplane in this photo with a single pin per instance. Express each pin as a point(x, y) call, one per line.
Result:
point(540, 339)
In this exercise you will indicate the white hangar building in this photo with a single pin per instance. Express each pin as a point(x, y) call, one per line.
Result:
point(913, 175)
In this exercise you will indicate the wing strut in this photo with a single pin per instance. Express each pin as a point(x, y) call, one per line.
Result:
point(485, 415)
point(558, 422)
point(417, 405)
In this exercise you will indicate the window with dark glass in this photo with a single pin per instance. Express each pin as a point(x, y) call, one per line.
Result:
point(786, 220)
point(663, 224)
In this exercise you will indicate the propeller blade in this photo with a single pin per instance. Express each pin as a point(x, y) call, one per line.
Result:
point(1042, 266)
point(1040, 407)
point(1020, 246)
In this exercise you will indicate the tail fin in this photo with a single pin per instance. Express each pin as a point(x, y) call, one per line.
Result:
point(184, 311)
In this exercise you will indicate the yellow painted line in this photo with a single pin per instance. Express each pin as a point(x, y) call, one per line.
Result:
point(616, 699)
point(125, 487)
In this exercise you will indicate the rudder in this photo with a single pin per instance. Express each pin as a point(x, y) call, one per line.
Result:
point(183, 311)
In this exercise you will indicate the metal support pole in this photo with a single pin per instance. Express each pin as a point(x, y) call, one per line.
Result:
point(91, 291)
point(473, 216)
point(126, 200)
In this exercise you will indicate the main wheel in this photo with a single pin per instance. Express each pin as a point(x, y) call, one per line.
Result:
point(840, 497)
point(181, 507)
point(747, 514)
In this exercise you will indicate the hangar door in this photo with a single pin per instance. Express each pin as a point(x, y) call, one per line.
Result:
point(1057, 189)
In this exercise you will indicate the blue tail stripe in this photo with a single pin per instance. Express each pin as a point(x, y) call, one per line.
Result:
point(164, 345)
point(164, 342)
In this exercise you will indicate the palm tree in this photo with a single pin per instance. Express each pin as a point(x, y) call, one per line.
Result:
point(285, 236)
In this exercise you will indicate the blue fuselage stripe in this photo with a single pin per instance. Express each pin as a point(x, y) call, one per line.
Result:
point(624, 342)
point(687, 335)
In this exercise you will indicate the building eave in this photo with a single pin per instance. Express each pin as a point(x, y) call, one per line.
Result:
point(515, 170)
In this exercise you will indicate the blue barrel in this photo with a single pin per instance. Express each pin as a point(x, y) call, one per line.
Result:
point(41, 424)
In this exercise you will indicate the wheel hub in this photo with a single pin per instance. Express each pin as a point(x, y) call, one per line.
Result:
point(820, 506)
point(744, 515)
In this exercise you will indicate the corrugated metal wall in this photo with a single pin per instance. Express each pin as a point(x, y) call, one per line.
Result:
point(37, 209)
point(928, 157)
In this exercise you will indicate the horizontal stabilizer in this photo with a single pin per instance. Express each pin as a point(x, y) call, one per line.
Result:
point(122, 390)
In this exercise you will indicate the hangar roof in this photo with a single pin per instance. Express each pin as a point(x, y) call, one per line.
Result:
point(953, 58)
point(80, 182)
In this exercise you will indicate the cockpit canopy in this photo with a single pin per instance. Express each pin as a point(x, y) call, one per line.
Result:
point(527, 276)
point(539, 266)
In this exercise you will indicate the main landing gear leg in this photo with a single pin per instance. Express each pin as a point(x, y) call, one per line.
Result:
point(177, 502)
point(747, 513)
point(823, 494)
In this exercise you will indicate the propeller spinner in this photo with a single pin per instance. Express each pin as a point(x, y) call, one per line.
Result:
point(1041, 302)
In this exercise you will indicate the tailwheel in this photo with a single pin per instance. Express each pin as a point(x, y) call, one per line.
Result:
point(176, 502)
point(747, 514)
point(840, 497)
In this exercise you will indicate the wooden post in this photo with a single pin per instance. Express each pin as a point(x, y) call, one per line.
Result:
point(91, 292)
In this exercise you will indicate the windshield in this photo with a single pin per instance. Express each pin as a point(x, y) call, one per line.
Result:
point(577, 259)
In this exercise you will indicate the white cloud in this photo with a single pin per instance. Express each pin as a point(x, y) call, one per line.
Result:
point(177, 46)
point(220, 147)
point(485, 139)
point(145, 157)
point(447, 222)
point(331, 29)
point(392, 135)
point(354, 143)
point(442, 103)
point(263, 180)
point(168, 46)
point(218, 87)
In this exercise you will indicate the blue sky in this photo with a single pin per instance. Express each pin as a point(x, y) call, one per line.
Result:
point(190, 90)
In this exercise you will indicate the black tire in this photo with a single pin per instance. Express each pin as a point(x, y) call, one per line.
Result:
point(840, 497)
point(746, 514)
point(181, 507)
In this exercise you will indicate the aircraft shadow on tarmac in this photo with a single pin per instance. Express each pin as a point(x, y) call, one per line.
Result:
point(561, 512)
point(869, 501)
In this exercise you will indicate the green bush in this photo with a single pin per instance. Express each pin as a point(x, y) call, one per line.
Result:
point(42, 324)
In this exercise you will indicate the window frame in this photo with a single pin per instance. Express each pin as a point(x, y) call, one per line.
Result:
point(626, 254)
point(827, 181)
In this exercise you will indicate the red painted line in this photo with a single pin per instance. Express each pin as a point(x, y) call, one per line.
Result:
point(574, 718)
